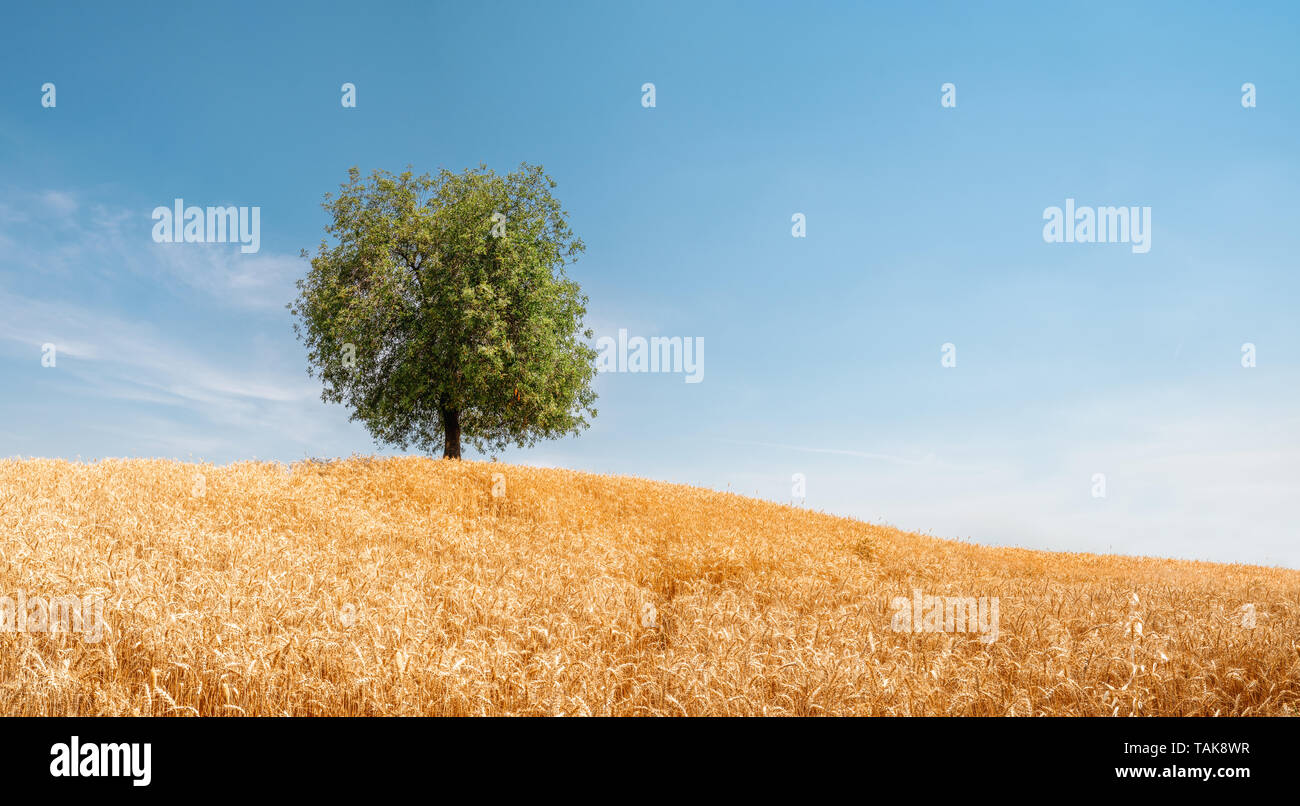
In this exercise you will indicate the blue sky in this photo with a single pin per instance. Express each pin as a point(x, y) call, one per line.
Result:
point(924, 227)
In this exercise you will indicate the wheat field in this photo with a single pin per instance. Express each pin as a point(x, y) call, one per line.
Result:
point(405, 586)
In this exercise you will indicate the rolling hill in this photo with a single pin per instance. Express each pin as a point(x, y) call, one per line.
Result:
point(417, 586)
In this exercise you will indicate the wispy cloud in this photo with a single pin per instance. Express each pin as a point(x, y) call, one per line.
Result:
point(123, 357)
point(261, 282)
point(1181, 479)
point(178, 349)
point(61, 236)
point(929, 459)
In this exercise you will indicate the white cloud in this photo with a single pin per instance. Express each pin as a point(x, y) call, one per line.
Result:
point(1182, 480)
point(127, 360)
point(59, 202)
point(263, 282)
point(53, 233)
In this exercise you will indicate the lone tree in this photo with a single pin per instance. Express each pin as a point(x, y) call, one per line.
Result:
point(443, 311)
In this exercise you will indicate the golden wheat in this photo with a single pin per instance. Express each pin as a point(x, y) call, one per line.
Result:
point(405, 586)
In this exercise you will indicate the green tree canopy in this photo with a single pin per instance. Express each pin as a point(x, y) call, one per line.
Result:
point(443, 310)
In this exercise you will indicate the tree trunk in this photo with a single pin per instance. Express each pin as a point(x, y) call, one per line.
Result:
point(451, 433)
